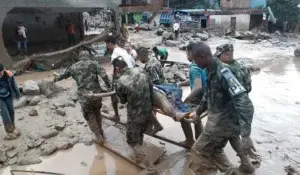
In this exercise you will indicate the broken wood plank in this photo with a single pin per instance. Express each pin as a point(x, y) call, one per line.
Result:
point(116, 141)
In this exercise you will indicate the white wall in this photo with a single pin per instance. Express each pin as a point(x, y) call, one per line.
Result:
point(223, 21)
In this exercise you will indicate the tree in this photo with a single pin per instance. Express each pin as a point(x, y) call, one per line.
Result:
point(285, 10)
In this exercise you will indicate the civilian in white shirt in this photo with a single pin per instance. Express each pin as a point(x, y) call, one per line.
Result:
point(176, 28)
point(130, 51)
point(111, 44)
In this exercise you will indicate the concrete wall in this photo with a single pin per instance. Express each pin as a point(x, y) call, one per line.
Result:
point(154, 6)
point(223, 21)
point(7, 5)
point(228, 4)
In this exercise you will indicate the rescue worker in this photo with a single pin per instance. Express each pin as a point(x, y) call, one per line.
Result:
point(197, 82)
point(135, 88)
point(162, 52)
point(155, 72)
point(8, 90)
point(152, 66)
point(87, 73)
point(225, 54)
point(230, 113)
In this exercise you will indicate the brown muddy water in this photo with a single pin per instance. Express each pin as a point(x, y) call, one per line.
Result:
point(275, 128)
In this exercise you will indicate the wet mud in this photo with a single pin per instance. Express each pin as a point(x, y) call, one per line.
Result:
point(275, 128)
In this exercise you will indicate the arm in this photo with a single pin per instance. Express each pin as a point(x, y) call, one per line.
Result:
point(64, 75)
point(121, 92)
point(16, 88)
point(195, 91)
point(185, 83)
point(203, 105)
point(153, 74)
point(242, 104)
point(102, 73)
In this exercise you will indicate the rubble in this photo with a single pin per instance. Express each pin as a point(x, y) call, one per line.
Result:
point(49, 133)
point(60, 126)
point(202, 36)
point(61, 112)
point(28, 160)
point(48, 149)
point(160, 32)
point(33, 112)
point(31, 88)
point(172, 43)
point(48, 88)
point(35, 100)
point(297, 51)
point(22, 102)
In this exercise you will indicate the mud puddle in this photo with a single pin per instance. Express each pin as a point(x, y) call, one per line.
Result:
point(80, 160)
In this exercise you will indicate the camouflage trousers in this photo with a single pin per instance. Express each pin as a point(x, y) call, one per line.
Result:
point(135, 132)
point(208, 156)
point(92, 114)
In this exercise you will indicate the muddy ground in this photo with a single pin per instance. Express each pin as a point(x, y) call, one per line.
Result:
point(275, 128)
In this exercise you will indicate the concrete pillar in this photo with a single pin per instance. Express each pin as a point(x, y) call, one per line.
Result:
point(126, 18)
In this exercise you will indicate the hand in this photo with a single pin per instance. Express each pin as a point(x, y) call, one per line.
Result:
point(89, 95)
point(248, 146)
point(192, 117)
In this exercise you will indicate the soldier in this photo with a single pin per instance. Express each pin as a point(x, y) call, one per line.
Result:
point(230, 113)
point(135, 88)
point(225, 54)
point(152, 66)
point(87, 73)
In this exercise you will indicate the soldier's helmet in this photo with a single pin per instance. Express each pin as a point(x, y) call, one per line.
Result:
point(224, 48)
point(83, 55)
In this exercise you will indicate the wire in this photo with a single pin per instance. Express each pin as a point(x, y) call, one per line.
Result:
point(31, 171)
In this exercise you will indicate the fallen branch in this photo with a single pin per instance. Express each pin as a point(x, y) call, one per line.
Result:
point(100, 95)
point(99, 37)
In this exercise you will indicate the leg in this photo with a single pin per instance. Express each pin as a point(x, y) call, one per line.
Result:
point(135, 136)
point(114, 102)
point(10, 108)
point(98, 115)
point(73, 39)
point(70, 39)
point(19, 47)
point(8, 125)
point(198, 129)
point(188, 133)
point(166, 56)
point(208, 156)
point(154, 125)
point(246, 165)
point(24, 43)
point(91, 118)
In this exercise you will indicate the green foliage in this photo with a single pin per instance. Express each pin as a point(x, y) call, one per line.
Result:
point(285, 10)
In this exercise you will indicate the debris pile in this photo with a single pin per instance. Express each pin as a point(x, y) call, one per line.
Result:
point(297, 51)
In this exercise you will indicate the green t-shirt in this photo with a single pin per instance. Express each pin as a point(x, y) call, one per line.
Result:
point(162, 52)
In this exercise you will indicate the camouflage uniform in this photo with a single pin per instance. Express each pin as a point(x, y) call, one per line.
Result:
point(155, 70)
point(241, 72)
point(230, 113)
point(87, 74)
point(134, 87)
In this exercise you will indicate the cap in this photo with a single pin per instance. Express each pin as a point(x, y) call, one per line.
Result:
point(119, 61)
point(224, 48)
point(1, 67)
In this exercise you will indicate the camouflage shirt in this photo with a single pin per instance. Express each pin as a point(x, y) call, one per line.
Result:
point(155, 70)
point(242, 73)
point(228, 114)
point(135, 88)
point(87, 74)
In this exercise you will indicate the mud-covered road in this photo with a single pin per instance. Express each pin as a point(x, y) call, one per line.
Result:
point(275, 129)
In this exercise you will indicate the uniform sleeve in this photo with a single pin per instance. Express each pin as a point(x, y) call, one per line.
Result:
point(203, 105)
point(243, 106)
point(121, 92)
point(102, 73)
point(247, 79)
point(154, 76)
point(64, 75)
